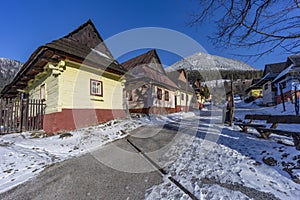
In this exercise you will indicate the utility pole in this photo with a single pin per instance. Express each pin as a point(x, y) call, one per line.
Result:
point(296, 100)
point(282, 96)
point(186, 94)
point(232, 102)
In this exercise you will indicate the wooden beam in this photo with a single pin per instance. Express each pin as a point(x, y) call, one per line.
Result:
point(26, 78)
point(21, 83)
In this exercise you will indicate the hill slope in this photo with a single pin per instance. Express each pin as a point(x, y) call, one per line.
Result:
point(8, 69)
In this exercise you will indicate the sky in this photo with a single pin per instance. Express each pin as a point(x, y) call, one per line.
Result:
point(28, 24)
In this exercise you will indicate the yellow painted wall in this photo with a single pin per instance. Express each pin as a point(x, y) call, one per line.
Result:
point(51, 85)
point(74, 89)
point(71, 89)
point(256, 92)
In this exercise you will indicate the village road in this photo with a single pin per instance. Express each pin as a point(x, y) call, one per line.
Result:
point(107, 173)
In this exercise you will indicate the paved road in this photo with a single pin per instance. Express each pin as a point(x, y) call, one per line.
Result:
point(86, 177)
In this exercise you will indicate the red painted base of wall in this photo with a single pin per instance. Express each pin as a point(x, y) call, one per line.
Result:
point(161, 110)
point(287, 96)
point(153, 110)
point(71, 119)
point(183, 108)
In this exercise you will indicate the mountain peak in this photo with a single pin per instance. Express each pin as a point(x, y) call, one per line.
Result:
point(206, 62)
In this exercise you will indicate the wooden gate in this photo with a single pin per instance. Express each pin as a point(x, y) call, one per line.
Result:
point(21, 115)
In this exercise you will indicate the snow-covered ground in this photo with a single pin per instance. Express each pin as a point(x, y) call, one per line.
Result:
point(25, 155)
point(220, 162)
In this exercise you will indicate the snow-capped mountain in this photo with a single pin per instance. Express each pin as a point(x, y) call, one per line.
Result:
point(206, 62)
point(8, 69)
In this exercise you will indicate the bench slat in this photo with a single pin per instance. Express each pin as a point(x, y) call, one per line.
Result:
point(257, 117)
point(284, 119)
point(278, 131)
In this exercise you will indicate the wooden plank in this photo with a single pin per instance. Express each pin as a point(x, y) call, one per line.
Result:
point(257, 117)
point(239, 123)
point(278, 131)
point(249, 125)
point(284, 119)
point(256, 125)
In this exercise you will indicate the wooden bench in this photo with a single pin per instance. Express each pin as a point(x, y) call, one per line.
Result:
point(281, 119)
point(244, 125)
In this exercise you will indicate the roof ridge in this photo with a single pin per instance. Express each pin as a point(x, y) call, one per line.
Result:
point(80, 27)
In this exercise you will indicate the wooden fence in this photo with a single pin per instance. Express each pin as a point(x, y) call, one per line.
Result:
point(21, 115)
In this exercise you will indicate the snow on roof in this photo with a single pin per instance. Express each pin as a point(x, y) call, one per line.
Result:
point(101, 54)
point(284, 72)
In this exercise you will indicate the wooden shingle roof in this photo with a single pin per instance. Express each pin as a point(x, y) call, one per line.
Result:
point(145, 59)
point(274, 68)
point(175, 77)
point(147, 67)
point(84, 44)
point(294, 59)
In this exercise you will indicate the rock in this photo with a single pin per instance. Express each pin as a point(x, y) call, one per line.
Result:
point(65, 135)
point(38, 134)
point(270, 161)
point(296, 138)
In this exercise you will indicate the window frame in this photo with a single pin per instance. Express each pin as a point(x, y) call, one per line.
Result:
point(159, 94)
point(43, 92)
point(182, 96)
point(266, 87)
point(167, 95)
point(100, 94)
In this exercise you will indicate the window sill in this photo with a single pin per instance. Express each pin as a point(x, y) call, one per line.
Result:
point(93, 99)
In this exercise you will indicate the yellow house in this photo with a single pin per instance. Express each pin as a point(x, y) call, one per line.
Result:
point(77, 78)
point(256, 92)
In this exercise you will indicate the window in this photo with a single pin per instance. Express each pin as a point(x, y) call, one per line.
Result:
point(166, 95)
point(182, 96)
point(266, 86)
point(159, 93)
point(283, 85)
point(129, 95)
point(96, 88)
point(43, 92)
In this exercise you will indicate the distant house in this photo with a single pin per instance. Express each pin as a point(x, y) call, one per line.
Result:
point(201, 92)
point(184, 99)
point(265, 85)
point(149, 89)
point(288, 79)
point(77, 78)
point(254, 91)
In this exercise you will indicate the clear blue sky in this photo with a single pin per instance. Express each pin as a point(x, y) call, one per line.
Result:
point(27, 24)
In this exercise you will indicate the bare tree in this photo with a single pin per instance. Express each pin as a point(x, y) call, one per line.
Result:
point(264, 24)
